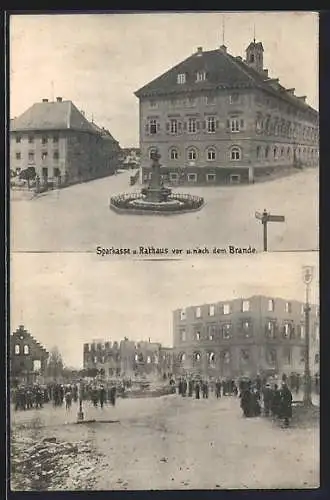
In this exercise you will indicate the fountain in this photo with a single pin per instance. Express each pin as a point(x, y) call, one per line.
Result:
point(155, 198)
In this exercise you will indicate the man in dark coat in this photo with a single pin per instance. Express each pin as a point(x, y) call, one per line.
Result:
point(218, 388)
point(197, 389)
point(246, 397)
point(102, 396)
point(285, 404)
point(276, 402)
point(190, 388)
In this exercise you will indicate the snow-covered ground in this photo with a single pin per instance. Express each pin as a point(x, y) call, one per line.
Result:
point(175, 443)
point(78, 218)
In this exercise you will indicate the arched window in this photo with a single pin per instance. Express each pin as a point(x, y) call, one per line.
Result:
point(174, 155)
point(197, 356)
point(26, 349)
point(235, 153)
point(211, 358)
point(192, 154)
point(211, 154)
point(17, 349)
point(152, 151)
point(288, 152)
point(275, 153)
point(182, 357)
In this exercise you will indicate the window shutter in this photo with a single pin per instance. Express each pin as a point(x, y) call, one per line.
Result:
point(158, 127)
point(242, 124)
point(147, 128)
point(228, 125)
point(197, 124)
point(167, 126)
point(217, 124)
point(184, 125)
point(179, 127)
point(204, 124)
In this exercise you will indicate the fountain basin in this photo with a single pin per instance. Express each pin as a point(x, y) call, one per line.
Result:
point(139, 204)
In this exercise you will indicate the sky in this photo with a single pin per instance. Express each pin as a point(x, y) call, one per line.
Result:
point(99, 61)
point(70, 299)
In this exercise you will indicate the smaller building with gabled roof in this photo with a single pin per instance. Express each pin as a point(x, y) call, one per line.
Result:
point(56, 140)
point(28, 358)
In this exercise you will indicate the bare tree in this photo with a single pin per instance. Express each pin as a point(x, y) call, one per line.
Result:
point(55, 365)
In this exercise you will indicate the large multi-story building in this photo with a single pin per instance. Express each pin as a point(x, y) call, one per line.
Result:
point(244, 337)
point(216, 118)
point(28, 358)
point(128, 358)
point(59, 143)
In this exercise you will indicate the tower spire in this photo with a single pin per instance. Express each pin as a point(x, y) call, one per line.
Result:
point(254, 33)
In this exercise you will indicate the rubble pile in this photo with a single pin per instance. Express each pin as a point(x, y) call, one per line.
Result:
point(51, 465)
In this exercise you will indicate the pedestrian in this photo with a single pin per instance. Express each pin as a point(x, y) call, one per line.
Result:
point(267, 399)
point(190, 388)
point(197, 389)
point(285, 412)
point(276, 401)
point(218, 388)
point(246, 401)
point(68, 400)
point(102, 396)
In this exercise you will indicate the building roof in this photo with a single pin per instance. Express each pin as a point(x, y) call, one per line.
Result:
point(58, 115)
point(103, 131)
point(22, 332)
point(222, 71)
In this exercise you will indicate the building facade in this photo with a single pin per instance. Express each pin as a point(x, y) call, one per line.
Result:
point(219, 119)
point(244, 337)
point(60, 144)
point(128, 358)
point(28, 358)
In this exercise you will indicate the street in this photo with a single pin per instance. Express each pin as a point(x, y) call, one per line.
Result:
point(78, 218)
point(168, 443)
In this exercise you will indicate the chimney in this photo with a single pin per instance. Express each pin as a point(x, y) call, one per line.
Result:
point(199, 51)
point(45, 100)
point(223, 48)
point(58, 99)
point(266, 73)
point(302, 98)
point(290, 91)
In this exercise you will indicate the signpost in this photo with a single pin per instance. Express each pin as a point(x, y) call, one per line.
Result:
point(266, 217)
point(308, 272)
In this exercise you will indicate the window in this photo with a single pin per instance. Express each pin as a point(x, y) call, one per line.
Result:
point(136, 357)
point(287, 355)
point(211, 358)
point(152, 151)
point(200, 76)
point(271, 305)
point(226, 309)
point(246, 328)
point(288, 307)
point(174, 126)
point(36, 365)
point(275, 153)
point(192, 177)
point(174, 155)
point(44, 155)
point(18, 139)
point(226, 357)
point(302, 331)
point(191, 102)
point(55, 139)
point(56, 155)
point(258, 151)
point(235, 153)
point(182, 357)
point(270, 329)
point(31, 139)
point(26, 349)
point(44, 140)
point(211, 310)
point(211, 124)
point(271, 357)
point(153, 126)
point(211, 154)
point(210, 177)
point(18, 156)
point(17, 349)
point(192, 154)
point(31, 156)
point(234, 98)
point(235, 124)
point(226, 331)
point(44, 172)
point(235, 179)
point(251, 58)
point(183, 335)
point(267, 152)
point(197, 356)
point(153, 104)
point(287, 330)
point(182, 314)
point(245, 305)
point(197, 335)
point(192, 125)
point(198, 312)
point(317, 358)
point(174, 176)
point(210, 100)
point(181, 78)
point(245, 355)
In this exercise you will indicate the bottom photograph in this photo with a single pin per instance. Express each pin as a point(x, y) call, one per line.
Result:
point(190, 374)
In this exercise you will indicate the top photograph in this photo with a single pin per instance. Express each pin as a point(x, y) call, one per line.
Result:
point(157, 131)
